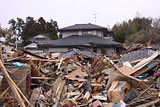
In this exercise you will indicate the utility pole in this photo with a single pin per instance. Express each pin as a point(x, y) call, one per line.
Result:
point(95, 17)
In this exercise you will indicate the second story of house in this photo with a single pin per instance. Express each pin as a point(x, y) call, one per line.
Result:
point(84, 29)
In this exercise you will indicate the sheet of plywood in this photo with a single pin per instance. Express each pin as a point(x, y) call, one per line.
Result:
point(127, 70)
point(77, 72)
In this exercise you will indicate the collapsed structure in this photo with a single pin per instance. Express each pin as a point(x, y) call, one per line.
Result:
point(79, 78)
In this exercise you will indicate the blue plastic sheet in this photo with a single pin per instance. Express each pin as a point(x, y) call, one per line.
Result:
point(17, 64)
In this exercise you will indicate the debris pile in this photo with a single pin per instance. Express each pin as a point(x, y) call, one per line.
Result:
point(78, 81)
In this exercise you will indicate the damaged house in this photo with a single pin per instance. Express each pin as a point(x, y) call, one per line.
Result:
point(88, 37)
point(35, 41)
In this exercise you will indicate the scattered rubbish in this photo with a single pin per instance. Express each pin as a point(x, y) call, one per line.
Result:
point(80, 78)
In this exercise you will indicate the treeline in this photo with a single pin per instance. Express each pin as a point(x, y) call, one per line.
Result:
point(31, 27)
point(138, 30)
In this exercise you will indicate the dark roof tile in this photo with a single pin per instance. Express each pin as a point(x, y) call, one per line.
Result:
point(84, 40)
point(135, 55)
point(85, 54)
point(88, 26)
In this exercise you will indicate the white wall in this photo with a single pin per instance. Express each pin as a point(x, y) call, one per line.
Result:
point(79, 32)
point(94, 32)
point(54, 50)
point(109, 51)
point(57, 50)
point(88, 49)
point(111, 38)
point(66, 34)
point(100, 33)
point(36, 51)
point(99, 51)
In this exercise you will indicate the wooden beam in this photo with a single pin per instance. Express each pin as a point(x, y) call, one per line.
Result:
point(35, 70)
point(30, 53)
point(16, 58)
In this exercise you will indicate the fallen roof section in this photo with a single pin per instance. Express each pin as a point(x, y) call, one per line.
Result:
point(135, 55)
point(85, 54)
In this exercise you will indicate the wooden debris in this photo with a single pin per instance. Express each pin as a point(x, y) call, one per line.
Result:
point(34, 97)
point(12, 85)
point(77, 72)
point(86, 96)
point(30, 53)
point(57, 88)
point(80, 81)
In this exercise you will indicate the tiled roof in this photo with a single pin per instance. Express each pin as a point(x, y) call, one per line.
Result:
point(85, 54)
point(88, 26)
point(84, 40)
point(32, 45)
point(135, 55)
point(40, 39)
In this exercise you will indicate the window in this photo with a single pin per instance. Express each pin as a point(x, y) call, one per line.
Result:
point(84, 32)
point(90, 32)
point(87, 32)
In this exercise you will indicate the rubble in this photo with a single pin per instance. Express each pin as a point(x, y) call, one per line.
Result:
point(78, 79)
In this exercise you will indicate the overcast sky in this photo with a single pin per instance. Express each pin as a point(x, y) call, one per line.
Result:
point(69, 12)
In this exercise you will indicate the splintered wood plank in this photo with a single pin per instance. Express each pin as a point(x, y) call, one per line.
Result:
point(77, 72)
point(35, 95)
point(57, 88)
point(86, 96)
point(129, 78)
point(127, 70)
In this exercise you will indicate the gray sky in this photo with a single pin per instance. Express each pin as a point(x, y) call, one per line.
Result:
point(69, 12)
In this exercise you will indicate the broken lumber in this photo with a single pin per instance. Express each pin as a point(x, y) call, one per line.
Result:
point(149, 103)
point(30, 53)
point(34, 97)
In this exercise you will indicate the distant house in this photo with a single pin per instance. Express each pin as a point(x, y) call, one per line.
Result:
point(35, 41)
point(87, 42)
point(89, 37)
point(84, 29)
point(33, 48)
point(39, 39)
